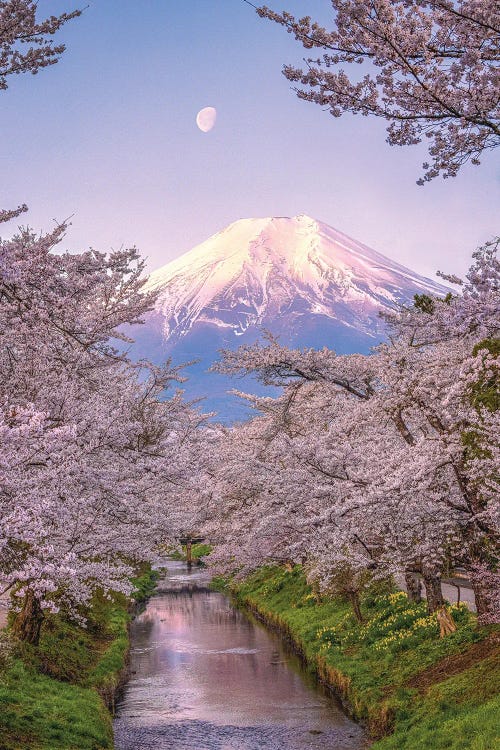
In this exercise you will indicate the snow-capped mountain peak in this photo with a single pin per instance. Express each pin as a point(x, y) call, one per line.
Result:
point(258, 270)
point(299, 278)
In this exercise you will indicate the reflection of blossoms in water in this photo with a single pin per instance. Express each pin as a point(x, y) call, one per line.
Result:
point(205, 675)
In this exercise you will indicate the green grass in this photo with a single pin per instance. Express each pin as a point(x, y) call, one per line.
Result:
point(201, 550)
point(198, 551)
point(39, 712)
point(145, 584)
point(393, 672)
point(56, 696)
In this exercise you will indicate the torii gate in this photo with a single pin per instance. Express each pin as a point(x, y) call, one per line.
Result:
point(188, 541)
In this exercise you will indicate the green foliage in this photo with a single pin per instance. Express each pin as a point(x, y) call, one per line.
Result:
point(427, 304)
point(486, 392)
point(483, 394)
point(424, 303)
point(145, 583)
point(201, 550)
point(198, 551)
point(374, 665)
point(219, 583)
point(174, 554)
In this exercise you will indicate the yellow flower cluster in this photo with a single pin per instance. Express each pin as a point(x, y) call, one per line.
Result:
point(397, 597)
point(422, 624)
point(389, 622)
point(321, 633)
point(405, 621)
point(325, 646)
point(335, 634)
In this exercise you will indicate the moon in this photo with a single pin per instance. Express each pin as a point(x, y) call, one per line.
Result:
point(205, 119)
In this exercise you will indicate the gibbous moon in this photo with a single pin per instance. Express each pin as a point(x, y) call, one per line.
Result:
point(205, 119)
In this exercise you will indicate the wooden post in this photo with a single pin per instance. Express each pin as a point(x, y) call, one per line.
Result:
point(446, 623)
point(189, 553)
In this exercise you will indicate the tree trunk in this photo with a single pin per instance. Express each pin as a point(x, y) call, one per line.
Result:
point(482, 600)
point(189, 553)
point(433, 591)
point(28, 621)
point(485, 580)
point(486, 586)
point(413, 587)
point(356, 605)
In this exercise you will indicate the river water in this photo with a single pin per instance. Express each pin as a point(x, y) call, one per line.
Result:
point(207, 676)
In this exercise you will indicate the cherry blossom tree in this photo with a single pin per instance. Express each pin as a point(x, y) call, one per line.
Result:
point(26, 45)
point(316, 494)
point(374, 469)
point(430, 68)
point(93, 457)
point(95, 461)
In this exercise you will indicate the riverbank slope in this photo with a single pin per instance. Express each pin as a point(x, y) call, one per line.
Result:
point(60, 694)
point(414, 690)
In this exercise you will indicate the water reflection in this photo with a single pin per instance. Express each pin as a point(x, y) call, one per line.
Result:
point(206, 676)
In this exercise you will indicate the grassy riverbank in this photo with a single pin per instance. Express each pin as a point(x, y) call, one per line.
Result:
point(57, 696)
point(414, 690)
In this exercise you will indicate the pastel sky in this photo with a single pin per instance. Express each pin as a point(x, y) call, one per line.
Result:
point(108, 136)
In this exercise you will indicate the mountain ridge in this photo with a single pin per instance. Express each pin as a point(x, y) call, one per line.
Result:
point(257, 259)
point(304, 281)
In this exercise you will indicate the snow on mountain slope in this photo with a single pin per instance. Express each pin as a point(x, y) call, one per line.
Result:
point(256, 270)
point(297, 277)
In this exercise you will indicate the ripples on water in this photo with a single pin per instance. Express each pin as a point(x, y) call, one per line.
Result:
point(205, 676)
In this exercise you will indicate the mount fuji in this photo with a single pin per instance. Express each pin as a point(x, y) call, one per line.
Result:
point(298, 278)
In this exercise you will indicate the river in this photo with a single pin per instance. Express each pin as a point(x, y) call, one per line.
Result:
point(206, 676)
